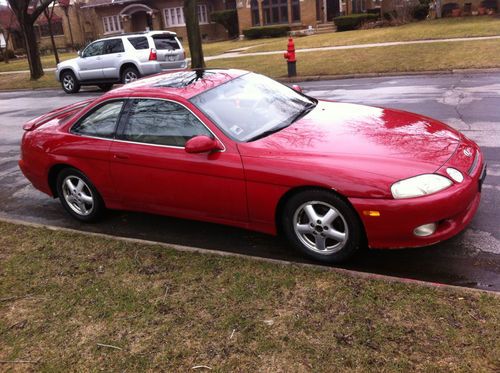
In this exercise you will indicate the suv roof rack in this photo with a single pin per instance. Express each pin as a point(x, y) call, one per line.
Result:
point(151, 33)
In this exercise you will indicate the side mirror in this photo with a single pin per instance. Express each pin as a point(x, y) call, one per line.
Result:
point(202, 144)
point(297, 88)
point(79, 53)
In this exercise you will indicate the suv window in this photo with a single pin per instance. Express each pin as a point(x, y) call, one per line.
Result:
point(94, 49)
point(161, 122)
point(113, 46)
point(100, 122)
point(140, 42)
point(166, 42)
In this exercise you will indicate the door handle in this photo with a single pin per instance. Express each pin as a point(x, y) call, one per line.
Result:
point(118, 55)
point(120, 156)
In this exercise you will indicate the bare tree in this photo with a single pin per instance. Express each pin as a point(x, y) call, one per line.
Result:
point(49, 14)
point(27, 12)
point(193, 32)
point(65, 5)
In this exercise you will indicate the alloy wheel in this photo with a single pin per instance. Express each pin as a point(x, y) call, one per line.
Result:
point(68, 82)
point(78, 195)
point(320, 227)
point(130, 77)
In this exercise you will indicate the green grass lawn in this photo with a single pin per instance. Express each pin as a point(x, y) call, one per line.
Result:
point(22, 63)
point(403, 58)
point(64, 295)
point(433, 29)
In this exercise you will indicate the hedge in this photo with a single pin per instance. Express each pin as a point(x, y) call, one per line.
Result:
point(228, 19)
point(353, 21)
point(266, 32)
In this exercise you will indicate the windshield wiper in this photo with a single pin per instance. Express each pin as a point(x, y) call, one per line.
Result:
point(296, 117)
point(303, 112)
point(268, 132)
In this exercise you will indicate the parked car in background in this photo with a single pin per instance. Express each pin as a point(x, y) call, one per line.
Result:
point(122, 59)
point(237, 148)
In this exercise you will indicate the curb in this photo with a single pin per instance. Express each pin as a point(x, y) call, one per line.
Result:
point(312, 78)
point(342, 271)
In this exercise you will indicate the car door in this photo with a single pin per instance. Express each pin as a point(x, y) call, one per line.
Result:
point(90, 62)
point(111, 58)
point(152, 171)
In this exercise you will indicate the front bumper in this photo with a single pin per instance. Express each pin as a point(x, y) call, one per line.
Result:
point(451, 209)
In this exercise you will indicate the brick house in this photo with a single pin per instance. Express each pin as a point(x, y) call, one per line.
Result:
point(114, 17)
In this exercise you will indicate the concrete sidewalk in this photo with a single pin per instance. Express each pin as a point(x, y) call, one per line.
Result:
point(332, 48)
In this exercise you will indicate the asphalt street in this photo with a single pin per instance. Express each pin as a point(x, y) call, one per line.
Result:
point(468, 102)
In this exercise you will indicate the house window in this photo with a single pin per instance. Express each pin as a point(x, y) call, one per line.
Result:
point(275, 11)
point(254, 6)
point(175, 16)
point(295, 11)
point(57, 29)
point(112, 24)
point(202, 14)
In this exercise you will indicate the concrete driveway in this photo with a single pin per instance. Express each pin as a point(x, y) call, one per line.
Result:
point(470, 103)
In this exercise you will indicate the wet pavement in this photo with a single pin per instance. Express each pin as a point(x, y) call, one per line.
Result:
point(470, 103)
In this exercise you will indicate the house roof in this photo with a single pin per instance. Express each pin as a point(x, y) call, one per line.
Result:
point(97, 3)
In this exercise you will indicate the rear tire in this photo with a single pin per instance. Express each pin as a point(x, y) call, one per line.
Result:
point(69, 82)
point(105, 87)
point(129, 75)
point(322, 225)
point(78, 195)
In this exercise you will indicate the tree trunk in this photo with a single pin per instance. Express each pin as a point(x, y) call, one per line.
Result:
point(194, 36)
point(36, 70)
point(54, 48)
point(66, 12)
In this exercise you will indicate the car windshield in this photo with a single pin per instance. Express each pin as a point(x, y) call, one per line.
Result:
point(252, 106)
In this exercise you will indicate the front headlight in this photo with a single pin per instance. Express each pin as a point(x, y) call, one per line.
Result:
point(419, 186)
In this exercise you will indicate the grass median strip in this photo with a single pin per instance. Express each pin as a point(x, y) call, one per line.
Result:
point(401, 58)
point(75, 302)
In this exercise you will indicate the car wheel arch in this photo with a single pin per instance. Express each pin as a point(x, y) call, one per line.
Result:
point(296, 190)
point(67, 69)
point(126, 65)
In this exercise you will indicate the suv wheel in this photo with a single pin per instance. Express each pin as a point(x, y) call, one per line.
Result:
point(105, 87)
point(69, 82)
point(129, 75)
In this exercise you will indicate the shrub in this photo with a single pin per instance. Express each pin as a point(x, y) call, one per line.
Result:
point(353, 21)
point(7, 52)
point(266, 32)
point(228, 19)
point(420, 12)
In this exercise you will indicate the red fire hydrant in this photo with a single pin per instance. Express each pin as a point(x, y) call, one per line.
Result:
point(290, 58)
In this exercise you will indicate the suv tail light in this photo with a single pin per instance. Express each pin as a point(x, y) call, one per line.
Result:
point(153, 55)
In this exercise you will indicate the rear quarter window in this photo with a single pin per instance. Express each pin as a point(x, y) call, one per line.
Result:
point(166, 43)
point(140, 42)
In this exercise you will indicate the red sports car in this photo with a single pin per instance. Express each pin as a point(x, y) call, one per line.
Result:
point(238, 148)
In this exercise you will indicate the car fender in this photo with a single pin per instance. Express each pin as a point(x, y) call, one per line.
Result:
point(68, 65)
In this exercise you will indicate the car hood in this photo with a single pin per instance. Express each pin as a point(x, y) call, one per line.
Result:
point(386, 142)
point(67, 63)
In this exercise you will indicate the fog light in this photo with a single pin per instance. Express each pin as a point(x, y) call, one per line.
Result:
point(425, 230)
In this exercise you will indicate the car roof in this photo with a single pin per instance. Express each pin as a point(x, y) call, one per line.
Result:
point(185, 83)
point(139, 33)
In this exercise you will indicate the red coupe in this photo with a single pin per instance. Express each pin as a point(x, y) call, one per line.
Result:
point(238, 148)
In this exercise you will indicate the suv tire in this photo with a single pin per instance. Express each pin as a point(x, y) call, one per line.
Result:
point(69, 82)
point(129, 75)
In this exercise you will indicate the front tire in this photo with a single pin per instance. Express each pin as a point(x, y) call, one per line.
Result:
point(129, 75)
point(78, 195)
point(69, 82)
point(322, 225)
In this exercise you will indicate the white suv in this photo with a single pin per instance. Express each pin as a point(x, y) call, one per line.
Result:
point(122, 59)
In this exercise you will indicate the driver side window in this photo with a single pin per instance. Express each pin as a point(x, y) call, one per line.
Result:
point(94, 49)
point(161, 122)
